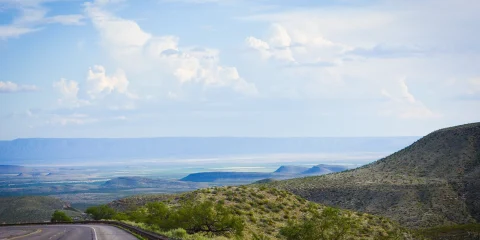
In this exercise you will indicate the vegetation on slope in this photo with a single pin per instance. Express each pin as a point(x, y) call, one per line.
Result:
point(265, 213)
point(455, 232)
point(32, 209)
point(433, 182)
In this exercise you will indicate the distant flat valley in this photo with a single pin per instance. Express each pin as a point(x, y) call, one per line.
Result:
point(85, 177)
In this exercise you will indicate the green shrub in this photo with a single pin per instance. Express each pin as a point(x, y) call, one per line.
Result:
point(59, 216)
point(179, 233)
point(101, 212)
point(193, 217)
point(120, 216)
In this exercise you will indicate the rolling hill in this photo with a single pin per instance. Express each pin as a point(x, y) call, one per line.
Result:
point(291, 169)
point(435, 181)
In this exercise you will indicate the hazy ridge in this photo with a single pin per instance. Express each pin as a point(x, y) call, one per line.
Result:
point(131, 148)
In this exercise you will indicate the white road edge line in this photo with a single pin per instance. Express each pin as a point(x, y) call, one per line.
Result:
point(94, 233)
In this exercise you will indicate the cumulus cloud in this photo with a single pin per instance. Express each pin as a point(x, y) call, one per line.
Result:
point(11, 87)
point(69, 91)
point(68, 88)
point(97, 86)
point(180, 70)
point(99, 83)
point(79, 101)
point(120, 33)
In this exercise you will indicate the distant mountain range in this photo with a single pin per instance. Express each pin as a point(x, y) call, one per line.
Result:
point(433, 182)
point(283, 172)
point(128, 148)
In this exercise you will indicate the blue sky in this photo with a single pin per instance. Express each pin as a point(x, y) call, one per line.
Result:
point(112, 68)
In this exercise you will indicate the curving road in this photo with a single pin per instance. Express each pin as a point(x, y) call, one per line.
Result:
point(64, 232)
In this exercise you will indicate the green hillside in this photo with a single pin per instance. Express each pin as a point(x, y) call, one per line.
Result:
point(32, 209)
point(433, 182)
point(266, 211)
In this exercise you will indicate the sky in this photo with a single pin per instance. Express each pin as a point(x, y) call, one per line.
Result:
point(271, 68)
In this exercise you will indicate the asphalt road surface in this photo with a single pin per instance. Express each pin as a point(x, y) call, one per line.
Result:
point(64, 232)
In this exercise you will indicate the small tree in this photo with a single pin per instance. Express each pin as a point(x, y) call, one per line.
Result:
point(159, 215)
point(101, 212)
point(209, 217)
point(59, 216)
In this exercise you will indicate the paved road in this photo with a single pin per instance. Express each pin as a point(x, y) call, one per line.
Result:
point(64, 232)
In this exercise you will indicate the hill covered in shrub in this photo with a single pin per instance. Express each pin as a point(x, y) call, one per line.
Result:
point(260, 213)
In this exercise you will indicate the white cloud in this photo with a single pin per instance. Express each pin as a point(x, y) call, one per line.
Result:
point(106, 2)
point(68, 88)
point(199, 1)
point(73, 19)
point(100, 84)
point(402, 92)
point(257, 43)
point(279, 36)
point(32, 17)
point(117, 31)
point(11, 87)
point(300, 61)
point(14, 31)
point(182, 71)
point(298, 45)
point(401, 103)
point(405, 93)
point(97, 86)
point(356, 53)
